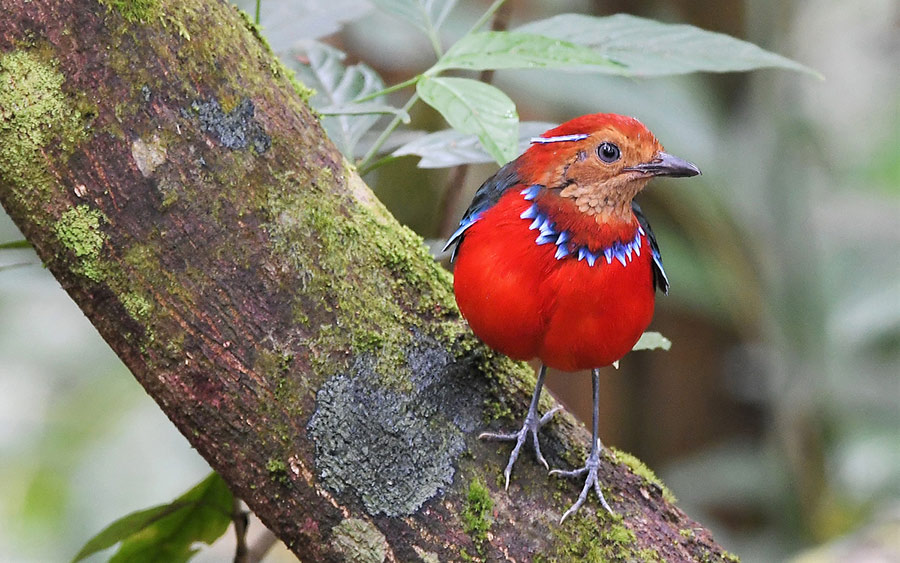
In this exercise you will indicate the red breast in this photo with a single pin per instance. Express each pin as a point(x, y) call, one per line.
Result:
point(523, 300)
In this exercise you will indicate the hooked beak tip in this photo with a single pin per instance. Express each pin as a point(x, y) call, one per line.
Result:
point(665, 164)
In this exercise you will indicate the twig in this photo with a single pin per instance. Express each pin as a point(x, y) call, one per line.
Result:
point(261, 546)
point(240, 518)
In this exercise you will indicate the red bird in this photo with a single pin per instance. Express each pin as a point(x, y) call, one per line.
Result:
point(555, 261)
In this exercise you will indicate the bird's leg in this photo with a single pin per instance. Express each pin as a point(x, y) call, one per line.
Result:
point(533, 423)
point(593, 460)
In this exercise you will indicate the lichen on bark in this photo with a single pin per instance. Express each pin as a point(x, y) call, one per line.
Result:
point(35, 115)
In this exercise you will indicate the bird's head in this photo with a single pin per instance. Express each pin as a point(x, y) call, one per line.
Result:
point(600, 162)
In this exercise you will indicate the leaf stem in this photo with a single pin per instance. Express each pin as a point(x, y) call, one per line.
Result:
point(387, 132)
point(435, 42)
point(378, 164)
point(389, 89)
point(15, 244)
point(486, 16)
point(256, 16)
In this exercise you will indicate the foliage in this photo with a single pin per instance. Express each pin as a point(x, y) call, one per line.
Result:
point(618, 45)
point(168, 532)
point(470, 106)
point(337, 86)
point(649, 48)
point(450, 147)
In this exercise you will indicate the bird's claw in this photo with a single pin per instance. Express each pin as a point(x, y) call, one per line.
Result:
point(591, 481)
point(532, 424)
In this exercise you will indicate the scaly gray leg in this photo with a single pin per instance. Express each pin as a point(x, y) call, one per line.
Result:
point(593, 460)
point(532, 424)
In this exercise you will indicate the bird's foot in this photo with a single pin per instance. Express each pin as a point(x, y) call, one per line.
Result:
point(591, 481)
point(532, 424)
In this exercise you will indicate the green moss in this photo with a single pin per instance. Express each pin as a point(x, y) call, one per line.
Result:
point(301, 89)
point(577, 540)
point(36, 117)
point(618, 535)
point(137, 305)
point(277, 470)
point(79, 230)
point(591, 539)
point(134, 11)
point(640, 469)
point(476, 516)
point(254, 29)
point(353, 238)
point(648, 554)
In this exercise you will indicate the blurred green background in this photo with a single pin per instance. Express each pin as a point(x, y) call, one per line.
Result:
point(775, 418)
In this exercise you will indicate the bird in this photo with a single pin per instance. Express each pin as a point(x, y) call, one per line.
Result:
point(555, 261)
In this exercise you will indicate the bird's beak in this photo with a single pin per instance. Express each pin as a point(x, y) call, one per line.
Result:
point(664, 164)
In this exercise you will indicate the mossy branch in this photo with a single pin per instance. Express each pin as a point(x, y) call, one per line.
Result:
point(179, 188)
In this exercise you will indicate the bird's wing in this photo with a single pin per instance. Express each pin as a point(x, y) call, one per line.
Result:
point(660, 281)
point(485, 198)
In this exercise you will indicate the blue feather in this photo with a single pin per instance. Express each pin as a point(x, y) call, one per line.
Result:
point(531, 192)
point(619, 251)
point(485, 197)
point(660, 281)
point(547, 227)
point(530, 213)
point(463, 226)
point(561, 251)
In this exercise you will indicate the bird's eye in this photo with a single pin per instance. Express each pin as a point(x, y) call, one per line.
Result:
point(608, 152)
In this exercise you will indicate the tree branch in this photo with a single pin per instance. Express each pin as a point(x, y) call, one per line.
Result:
point(173, 179)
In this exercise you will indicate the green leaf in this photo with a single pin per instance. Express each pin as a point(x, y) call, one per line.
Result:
point(15, 244)
point(338, 86)
point(427, 15)
point(650, 48)
point(474, 107)
point(652, 341)
point(168, 532)
point(510, 49)
point(443, 149)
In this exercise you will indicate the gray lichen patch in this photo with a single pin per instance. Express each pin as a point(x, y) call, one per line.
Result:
point(236, 129)
point(148, 155)
point(359, 541)
point(393, 448)
point(426, 556)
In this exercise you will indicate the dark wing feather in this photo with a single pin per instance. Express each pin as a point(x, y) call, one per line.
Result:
point(660, 281)
point(485, 198)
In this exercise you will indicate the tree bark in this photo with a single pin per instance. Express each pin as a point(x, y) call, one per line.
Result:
point(170, 174)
